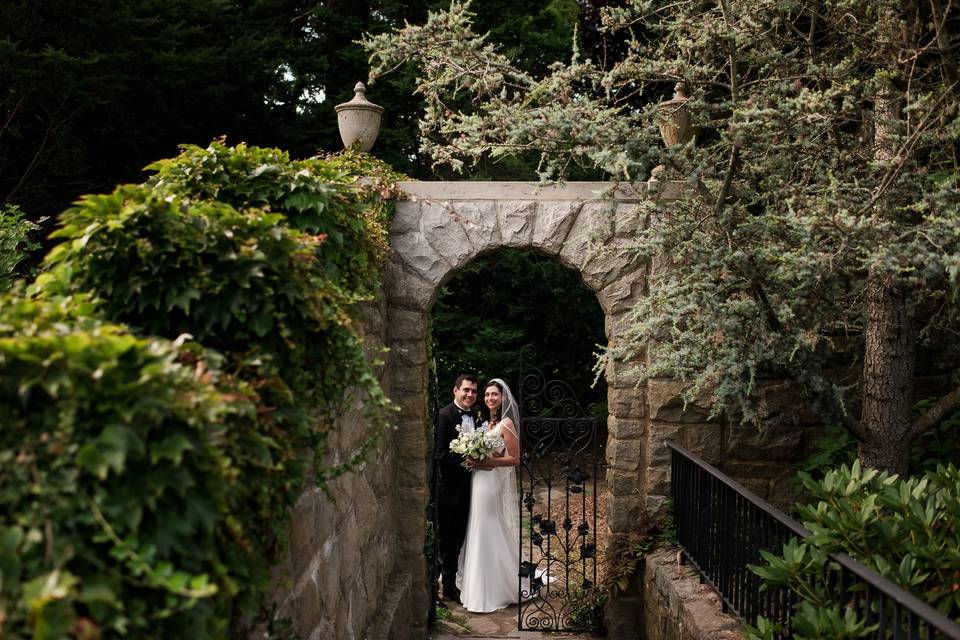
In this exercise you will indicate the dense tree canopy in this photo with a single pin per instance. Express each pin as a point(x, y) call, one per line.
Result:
point(90, 94)
point(821, 223)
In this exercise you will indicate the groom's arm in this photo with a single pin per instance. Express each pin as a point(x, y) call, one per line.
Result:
point(446, 433)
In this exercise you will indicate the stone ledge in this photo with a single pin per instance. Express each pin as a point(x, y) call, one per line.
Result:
point(624, 192)
point(678, 607)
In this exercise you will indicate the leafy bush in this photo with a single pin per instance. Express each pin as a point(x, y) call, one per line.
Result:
point(166, 261)
point(206, 251)
point(15, 244)
point(905, 529)
point(319, 196)
point(115, 487)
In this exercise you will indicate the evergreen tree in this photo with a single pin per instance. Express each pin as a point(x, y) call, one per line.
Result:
point(821, 217)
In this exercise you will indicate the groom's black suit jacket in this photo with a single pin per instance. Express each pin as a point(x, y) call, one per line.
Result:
point(454, 482)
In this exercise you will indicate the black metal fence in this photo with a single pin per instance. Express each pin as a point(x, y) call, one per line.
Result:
point(722, 527)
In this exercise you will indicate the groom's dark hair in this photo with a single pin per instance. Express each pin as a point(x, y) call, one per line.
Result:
point(465, 376)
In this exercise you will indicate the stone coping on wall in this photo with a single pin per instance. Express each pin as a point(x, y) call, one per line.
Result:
point(581, 191)
point(678, 607)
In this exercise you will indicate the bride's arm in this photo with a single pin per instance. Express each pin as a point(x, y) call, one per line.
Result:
point(512, 456)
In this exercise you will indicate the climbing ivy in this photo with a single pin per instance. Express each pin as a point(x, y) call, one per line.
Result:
point(188, 347)
point(116, 480)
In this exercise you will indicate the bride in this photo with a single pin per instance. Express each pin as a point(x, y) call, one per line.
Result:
point(490, 558)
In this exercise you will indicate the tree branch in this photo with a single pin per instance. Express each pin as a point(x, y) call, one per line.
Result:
point(936, 413)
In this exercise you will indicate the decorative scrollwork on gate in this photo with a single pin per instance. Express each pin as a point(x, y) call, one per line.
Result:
point(560, 463)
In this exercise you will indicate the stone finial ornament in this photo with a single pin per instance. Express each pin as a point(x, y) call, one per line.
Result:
point(359, 120)
point(675, 125)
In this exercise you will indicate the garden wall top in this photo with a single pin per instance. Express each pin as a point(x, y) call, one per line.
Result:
point(582, 191)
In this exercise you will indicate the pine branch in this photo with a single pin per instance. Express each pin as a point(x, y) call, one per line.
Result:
point(936, 413)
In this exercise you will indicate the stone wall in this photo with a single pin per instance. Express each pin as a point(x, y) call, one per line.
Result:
point(340, 578)
point(356, 566)
point(677, 607)
point(766, 462)
point(439, 228)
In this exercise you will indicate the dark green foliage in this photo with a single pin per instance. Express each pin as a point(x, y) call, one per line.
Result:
point(91, 94)
point(320, 197)
point(116, 489)
point(905, 529)
point(939, 445)
point(504, 301)
point(15, 245)
point(269, 306)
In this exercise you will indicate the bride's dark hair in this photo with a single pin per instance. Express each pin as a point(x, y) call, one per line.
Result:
point(494, 383)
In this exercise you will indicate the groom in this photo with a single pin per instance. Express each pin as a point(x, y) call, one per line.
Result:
point(453, 488)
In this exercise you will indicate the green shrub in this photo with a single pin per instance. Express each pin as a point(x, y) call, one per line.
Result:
point(319, 196)
point(116, 488)
point(260, 260)
point(15, 244)
point(905, 529)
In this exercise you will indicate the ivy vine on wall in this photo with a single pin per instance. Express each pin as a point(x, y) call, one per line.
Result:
point(165, 381)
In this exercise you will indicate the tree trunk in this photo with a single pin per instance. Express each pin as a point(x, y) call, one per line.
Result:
point(890, 352)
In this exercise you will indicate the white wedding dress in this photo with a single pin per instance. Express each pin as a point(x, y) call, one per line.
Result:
point(488, 575)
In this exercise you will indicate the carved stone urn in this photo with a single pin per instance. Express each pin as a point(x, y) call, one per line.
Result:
point(359, 120)
point(675, 125)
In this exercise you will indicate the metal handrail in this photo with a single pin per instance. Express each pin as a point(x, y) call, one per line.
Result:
point(724, 514)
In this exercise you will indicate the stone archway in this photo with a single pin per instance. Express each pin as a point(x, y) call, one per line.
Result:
point(442, 226)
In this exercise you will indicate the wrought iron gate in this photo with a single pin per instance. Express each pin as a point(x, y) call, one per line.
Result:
point(561, 459)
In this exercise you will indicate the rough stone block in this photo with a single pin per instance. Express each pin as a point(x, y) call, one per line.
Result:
point(441, 227)
point(404, 289)
point(655, 506)
point(302, 531)
point(479, 222)
point(409, 380)
point(554, 220)
point(593, 226)
point(623, 482)
point(416, 253)
point(673, 410)
point(407, 217)
point(657, 479)
point(627, 428)
point(705, 440)
point(366, 509)
point(777, 442)
point(627, 404)
point(628, 220)
point(322, 631)
point(678, 607)
point(621, 295)
point(409, 353)
point(308, 609)
point(624, 454)
point(658, 435)
point(413, 474)
point(756, 469)
point(516, 220)
point(623, 513)
point(610, 263)
point(621, 374)
point(406, 324)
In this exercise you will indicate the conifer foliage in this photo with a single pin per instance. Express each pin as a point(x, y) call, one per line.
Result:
point(821, 220)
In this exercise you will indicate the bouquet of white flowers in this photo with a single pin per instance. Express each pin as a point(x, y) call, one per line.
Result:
point(476, 444)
